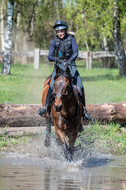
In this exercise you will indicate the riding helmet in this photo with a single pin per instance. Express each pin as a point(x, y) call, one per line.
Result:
point(59, 25)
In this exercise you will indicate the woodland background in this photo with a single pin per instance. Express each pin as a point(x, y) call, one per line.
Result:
point(98, 24)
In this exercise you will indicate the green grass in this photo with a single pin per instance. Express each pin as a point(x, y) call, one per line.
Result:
point(12, 141)
point(24, 85)
point(107, 139)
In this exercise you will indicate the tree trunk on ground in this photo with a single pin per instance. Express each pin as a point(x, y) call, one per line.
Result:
point(118, 42)
point(8, 40)
point(13, 115)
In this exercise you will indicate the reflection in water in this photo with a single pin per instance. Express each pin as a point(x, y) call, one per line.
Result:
point(36, 174)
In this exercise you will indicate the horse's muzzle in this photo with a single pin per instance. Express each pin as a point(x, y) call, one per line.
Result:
point(58, 108)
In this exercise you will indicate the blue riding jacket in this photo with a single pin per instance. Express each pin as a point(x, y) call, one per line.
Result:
point(73, 70)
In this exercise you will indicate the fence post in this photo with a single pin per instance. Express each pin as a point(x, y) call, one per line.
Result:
point(88, 60)
point(36, 58)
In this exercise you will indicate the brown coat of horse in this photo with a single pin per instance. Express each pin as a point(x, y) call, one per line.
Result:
point(66, 112)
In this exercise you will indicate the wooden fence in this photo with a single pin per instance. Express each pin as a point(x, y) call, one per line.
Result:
point(83, 55)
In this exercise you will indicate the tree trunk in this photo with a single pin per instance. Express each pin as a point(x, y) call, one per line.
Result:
point(2, 26)
point(13, 115)
point(8, 40)
point(117, 40)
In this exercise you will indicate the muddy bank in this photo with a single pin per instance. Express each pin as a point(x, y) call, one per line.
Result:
point(104, 139)
point(22, 130)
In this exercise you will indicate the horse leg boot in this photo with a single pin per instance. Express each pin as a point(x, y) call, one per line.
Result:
point(49, 100)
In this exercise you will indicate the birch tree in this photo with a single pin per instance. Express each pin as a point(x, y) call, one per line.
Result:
point(118, 41)
point(8, 39)
point(2, 26)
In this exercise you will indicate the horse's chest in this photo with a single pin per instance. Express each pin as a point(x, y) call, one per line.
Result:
point(67, 125)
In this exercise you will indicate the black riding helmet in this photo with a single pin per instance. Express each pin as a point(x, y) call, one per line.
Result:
point(59, 25)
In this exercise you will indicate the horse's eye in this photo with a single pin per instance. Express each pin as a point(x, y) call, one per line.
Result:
point(65, 93)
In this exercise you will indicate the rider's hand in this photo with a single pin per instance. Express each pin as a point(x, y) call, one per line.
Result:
point(68, 63)
point(56, 59)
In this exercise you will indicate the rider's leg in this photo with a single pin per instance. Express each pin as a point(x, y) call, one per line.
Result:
point(79, 84)
point(44, 110)
point(49, 98)
point(86, 115)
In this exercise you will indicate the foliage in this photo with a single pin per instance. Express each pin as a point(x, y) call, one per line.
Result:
point(91, 20)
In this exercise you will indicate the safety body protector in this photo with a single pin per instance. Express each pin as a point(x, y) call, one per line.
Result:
point(63, 47)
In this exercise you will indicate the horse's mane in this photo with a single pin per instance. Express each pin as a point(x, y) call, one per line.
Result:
point(68, 76)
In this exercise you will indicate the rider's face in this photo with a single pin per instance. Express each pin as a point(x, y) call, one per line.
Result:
point(61, 33)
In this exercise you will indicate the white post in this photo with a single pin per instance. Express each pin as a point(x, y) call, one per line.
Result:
point(36, 58)
point(88, 60)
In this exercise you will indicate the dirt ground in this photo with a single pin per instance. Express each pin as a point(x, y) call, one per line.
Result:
point(32, 145)
point(21, 130)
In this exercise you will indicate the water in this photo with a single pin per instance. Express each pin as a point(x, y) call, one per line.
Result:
point(96, 172)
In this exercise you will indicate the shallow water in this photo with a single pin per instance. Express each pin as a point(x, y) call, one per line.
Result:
point(23, 172)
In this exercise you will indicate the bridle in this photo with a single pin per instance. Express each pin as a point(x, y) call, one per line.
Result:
point(69, 88)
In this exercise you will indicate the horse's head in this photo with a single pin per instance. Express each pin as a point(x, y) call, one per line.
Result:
point(62, 90)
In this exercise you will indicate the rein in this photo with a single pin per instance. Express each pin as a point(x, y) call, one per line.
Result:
point(75, 116)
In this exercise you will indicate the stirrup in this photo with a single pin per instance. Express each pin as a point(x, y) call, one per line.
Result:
point(42, 111)
point(86, 115)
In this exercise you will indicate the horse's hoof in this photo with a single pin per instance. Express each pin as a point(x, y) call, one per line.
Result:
point(80, 129)
point(70, 160)
point(78, 147)
point(47, 142)
point(68, 156)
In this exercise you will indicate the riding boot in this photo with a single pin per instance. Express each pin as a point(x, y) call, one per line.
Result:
point(86, 115)
point(49, 100)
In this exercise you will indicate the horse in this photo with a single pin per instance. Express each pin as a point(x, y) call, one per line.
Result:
point(66, 112)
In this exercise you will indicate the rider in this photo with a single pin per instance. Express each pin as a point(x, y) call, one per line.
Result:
point(64, 47)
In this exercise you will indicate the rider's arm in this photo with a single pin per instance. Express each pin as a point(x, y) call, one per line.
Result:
point(51, 51)
point(75, 50)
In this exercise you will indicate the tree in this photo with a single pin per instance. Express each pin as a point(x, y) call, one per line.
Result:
point(117, 39)
point(2, 25)
point(8, 40)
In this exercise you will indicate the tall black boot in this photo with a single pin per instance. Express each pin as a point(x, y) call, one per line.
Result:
point(49, 99)
point(86, 115)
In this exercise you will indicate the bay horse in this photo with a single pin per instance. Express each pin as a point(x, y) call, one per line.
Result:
point(66, 112)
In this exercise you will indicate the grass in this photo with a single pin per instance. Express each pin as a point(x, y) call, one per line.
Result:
point(24, 85)
point(11, 142)
point(107, 139)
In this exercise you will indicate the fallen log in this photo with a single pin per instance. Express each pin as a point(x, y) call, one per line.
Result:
point(20, 115)
point(23, 115)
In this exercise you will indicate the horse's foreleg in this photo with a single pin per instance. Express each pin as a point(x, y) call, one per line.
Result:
point(62, 138)
point(48, 133)
point(72, 138)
